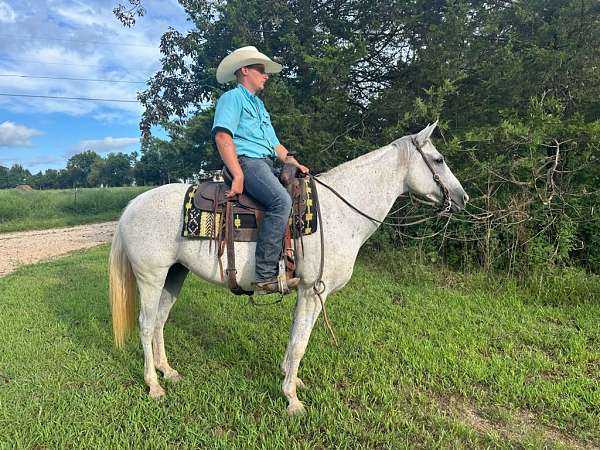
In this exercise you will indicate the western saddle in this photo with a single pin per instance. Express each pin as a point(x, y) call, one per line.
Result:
point(230, 213)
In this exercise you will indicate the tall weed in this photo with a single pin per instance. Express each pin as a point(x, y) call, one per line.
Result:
point(53, 208)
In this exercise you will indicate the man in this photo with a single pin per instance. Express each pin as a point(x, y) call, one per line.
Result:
point(247, 143)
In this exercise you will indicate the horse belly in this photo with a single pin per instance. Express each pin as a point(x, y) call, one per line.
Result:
point(201, 258)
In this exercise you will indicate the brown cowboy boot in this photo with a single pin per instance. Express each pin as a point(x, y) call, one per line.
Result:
point(272, 286)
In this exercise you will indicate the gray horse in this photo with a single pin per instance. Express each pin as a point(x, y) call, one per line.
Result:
point(148, 249)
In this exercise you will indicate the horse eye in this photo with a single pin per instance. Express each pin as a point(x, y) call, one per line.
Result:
point(439, 160)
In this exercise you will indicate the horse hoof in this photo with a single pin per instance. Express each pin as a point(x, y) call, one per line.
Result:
point(296, 409)
point(156, 393)
point(173, 376)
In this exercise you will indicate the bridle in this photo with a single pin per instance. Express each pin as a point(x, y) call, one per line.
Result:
point(447, 204)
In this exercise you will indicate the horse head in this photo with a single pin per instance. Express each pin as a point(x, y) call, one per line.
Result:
point(428, 175)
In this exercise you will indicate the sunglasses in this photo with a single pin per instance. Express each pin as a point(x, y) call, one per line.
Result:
point(258, 67)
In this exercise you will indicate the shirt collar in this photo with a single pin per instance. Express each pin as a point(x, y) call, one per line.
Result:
point(246, 92)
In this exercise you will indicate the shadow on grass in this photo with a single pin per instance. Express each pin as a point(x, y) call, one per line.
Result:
point(206, 326)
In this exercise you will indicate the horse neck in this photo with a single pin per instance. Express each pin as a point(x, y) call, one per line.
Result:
point(371, 182)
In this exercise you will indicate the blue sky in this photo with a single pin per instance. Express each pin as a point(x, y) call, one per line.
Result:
point(74, 39)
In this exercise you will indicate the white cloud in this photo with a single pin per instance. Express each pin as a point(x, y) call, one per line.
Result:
point(103, 145)
point(7, 15)
point(13, 135)
point(80, 39)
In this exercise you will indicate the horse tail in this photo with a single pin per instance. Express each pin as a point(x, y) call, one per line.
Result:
point(122, 291)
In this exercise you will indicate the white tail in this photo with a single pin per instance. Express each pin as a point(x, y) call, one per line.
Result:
point(122, 291)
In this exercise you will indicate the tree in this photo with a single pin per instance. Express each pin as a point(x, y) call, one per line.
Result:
point(114, 170)
point(16, 175)
point(79, 167)
point(4, 177)
point(514, 84)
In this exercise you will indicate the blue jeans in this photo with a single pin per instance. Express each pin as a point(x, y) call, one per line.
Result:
point(261, 183)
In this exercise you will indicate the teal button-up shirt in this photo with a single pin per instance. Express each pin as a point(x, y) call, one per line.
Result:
point(245, 117)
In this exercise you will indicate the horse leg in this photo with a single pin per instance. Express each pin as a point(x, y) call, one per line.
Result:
point(173, 284)
point(306, 313)
point(150, 293)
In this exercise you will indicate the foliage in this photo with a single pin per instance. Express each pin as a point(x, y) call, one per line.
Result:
point(114, 170)
point(514, 85)
point(14, 176)
point(79, 167)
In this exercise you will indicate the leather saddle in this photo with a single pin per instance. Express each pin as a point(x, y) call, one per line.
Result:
point(210, 196)
point(210, 192)
point(229, 214)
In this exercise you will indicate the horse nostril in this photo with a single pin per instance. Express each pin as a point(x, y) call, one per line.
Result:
point(465, 198)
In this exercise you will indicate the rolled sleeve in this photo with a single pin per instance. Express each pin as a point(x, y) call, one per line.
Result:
point(227, 113)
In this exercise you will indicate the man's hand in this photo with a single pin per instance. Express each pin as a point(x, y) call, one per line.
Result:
point(289, 159)
point(302, 168)
point(237, 187)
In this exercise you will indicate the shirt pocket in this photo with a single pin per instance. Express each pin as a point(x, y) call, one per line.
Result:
point(250, 113)
point(266, 118)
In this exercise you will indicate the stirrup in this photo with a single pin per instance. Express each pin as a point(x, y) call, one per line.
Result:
point(282, 278)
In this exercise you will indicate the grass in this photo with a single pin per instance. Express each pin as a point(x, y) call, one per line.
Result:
point(36, 210)
point(427, 359)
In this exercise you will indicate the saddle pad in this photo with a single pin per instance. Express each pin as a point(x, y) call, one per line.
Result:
point(202, 224)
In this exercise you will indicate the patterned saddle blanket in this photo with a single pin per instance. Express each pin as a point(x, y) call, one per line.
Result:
point(204, 212)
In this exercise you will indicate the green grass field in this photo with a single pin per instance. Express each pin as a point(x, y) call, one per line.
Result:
point(36, 210)
point(427, 359)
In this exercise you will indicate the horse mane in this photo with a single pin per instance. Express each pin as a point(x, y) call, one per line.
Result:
point(371, 157)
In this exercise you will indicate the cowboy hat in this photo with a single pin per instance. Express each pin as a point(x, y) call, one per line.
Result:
point(241, 57)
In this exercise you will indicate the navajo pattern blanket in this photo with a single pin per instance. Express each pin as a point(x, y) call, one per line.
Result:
point(201, 224)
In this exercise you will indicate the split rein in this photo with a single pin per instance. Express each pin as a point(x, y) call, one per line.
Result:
point(447, 203)
point(319, 286)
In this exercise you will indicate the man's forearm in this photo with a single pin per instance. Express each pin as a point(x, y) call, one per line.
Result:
point(228, 154)
point(282, 155)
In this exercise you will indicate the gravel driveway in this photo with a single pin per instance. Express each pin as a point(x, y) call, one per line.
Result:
point(28, 247)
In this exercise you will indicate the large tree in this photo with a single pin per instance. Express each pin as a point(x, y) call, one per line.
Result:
point(514, 84)
point(113, 170)
point(79, 167)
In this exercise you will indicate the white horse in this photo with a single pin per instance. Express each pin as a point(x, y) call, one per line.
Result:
point(148, 249)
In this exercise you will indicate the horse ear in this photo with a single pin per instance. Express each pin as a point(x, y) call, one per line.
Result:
point(425, 133)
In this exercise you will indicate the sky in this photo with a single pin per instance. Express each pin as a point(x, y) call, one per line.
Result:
point(75, 39)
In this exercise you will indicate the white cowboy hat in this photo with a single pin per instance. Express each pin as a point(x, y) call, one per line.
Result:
point(241, 57)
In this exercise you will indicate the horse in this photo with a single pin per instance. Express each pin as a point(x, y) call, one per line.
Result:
point(148, 250)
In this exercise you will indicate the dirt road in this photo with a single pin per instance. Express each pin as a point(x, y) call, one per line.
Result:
point(27, 247)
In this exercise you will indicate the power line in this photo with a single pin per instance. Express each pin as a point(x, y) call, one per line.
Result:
point(70, 98)
point(79, 41)
point(72, 79)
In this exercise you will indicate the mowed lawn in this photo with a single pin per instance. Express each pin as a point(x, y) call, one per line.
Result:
point(427, 359)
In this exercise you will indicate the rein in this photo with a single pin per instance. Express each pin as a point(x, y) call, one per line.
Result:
point(446, 206)
point(381, 222)
point(319, 286)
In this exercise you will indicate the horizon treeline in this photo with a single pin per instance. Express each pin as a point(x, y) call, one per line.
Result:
point(89, 169)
